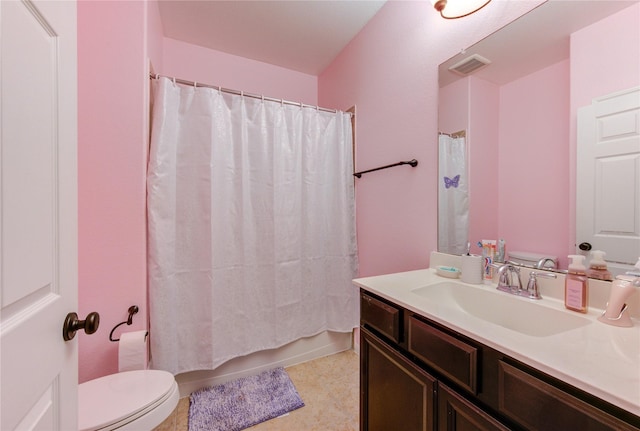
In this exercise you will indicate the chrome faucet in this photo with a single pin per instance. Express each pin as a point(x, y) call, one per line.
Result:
point(509, 278)
point(509, 281)
point(542, 263)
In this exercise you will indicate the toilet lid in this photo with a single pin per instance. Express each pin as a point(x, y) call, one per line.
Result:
point(113, 398)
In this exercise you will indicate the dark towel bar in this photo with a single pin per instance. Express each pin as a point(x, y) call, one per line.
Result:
point(412, 162)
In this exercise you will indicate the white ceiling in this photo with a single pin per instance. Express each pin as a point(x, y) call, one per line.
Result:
point(305, 36)
point(538, 39)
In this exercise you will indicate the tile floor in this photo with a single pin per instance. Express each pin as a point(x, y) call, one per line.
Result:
point(328, 386)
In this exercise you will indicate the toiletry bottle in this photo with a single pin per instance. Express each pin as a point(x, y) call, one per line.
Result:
point(501, 253)
point(489, 255)
point(598, 266)
point(575, 285)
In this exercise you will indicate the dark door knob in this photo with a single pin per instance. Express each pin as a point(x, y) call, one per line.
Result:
point(585, 246)
point(72, 324)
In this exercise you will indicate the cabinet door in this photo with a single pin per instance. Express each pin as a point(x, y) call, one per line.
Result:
point(394, 393)
point(540, 406)
point(457, 414)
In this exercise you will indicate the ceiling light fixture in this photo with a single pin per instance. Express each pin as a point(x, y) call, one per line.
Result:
point(452, 9)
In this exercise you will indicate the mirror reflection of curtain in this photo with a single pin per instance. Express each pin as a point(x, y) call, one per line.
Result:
point(453, 195)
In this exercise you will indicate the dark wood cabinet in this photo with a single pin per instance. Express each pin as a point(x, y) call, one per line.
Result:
point(540, 406)
point(417, 374)
point(457, 414)
point(381, 316)
point(395, 394)
point(450, 356)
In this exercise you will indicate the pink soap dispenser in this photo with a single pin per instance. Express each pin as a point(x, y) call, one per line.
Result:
point(575, 285)
point(598, 266)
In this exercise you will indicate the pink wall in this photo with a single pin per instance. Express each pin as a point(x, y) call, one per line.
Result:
point(195, 63)
point(453, 106)
point(472, 104)
point(378, 72)
point(484, 159)
point(111, 174)
point(533, 162)
point(605, 58)
point(154, 37)
point(390, 72)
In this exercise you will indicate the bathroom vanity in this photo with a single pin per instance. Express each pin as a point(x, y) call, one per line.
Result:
point(438, 354)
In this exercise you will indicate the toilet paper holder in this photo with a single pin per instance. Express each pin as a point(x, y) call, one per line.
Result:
point(132, 310)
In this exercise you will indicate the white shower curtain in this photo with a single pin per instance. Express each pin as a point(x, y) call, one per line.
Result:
point(251, 224)
point(453, 195)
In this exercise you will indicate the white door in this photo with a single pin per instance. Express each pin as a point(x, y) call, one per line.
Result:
point(608, 177)
point(38, 218)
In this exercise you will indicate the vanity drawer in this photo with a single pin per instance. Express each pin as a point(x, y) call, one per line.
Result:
point(537, 405)
point(450, 356)
point(381, 316)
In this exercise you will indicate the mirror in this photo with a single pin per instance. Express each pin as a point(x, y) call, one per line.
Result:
point(517, 112)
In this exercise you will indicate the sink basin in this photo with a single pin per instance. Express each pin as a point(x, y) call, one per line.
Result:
point(509, 311)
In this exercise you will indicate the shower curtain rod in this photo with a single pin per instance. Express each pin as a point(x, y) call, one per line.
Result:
point(242, 93)
point(460, 134)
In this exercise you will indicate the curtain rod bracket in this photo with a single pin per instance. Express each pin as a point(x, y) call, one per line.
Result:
point(413, 163)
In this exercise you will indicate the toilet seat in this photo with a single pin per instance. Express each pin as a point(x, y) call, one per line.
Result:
point(138, 400)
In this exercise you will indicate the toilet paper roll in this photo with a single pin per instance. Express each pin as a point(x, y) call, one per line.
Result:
point(132, 351)
point(471, 268)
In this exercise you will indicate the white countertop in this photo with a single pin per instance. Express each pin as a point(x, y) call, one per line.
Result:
point(600, 359)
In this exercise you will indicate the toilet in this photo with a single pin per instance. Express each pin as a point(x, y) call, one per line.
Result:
point(532, 259)
point(131, 400)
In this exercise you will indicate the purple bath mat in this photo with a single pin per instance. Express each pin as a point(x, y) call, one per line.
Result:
point(242, 403)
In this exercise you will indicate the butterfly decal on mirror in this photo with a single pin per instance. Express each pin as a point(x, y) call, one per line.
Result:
point(449, 182)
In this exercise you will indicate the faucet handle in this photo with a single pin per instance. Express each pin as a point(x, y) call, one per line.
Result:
point(532, 285)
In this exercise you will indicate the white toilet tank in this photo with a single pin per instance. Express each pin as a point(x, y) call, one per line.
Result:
point(531, 259)
point(131, 400)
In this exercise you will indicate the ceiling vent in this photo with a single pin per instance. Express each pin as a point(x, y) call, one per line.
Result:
point(469, 65)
